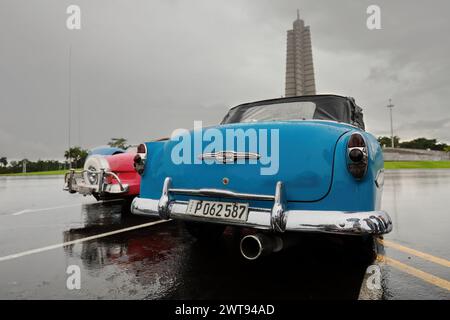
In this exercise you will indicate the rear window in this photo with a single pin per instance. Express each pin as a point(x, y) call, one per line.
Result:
point(292, 109)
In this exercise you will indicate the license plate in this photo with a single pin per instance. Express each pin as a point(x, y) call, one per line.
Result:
point(218, 210)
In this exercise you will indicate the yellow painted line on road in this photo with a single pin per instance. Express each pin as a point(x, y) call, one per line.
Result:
point(68, 243)
point(439, 282)
point(423, 255)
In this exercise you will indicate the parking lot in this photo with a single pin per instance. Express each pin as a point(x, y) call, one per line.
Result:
point(43, 230)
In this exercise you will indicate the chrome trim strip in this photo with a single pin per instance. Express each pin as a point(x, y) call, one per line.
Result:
point(277, 219)
point(220, 193)
point(164, 201)
point(370, 222)
point(278, 215)
point(115, 177)
point(379, 179)
point(72, 185)
point(229, 156)
point(362, 149)
point(335, 222)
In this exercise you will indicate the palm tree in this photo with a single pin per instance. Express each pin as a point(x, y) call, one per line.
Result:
point(76, 155)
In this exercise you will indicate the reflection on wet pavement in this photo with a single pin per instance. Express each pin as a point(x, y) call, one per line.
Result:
point(164, 262)
point(168, 264)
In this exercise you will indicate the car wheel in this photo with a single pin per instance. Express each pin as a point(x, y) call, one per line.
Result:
point(204, 231)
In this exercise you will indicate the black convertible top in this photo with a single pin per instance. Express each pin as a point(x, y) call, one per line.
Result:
point(326, 107)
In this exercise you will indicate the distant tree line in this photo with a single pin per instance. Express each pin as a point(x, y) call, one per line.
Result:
point(31, 166)
point(419, 143)
point(75, 158)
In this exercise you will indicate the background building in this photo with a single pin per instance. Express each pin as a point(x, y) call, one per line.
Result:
point(299, 61)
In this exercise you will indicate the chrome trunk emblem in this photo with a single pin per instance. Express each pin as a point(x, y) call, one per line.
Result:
point(229, 156)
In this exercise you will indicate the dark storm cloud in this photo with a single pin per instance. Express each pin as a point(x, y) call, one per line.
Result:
point(142, 68)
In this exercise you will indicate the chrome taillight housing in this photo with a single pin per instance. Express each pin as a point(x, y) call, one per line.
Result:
point(140, 158)
point(357, 158)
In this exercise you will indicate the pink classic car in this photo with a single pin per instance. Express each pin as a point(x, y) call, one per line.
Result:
point(108, 173)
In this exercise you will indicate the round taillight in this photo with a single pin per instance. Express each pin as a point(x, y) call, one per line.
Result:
point(356, 155)
point(139, 159)
point(357, 162)
point(356, 141)
point(141, 148)
point(138, 164)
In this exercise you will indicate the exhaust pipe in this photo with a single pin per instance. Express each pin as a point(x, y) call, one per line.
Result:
point(257, 245)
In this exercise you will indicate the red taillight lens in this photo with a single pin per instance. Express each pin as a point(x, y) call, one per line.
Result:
point(141, 148)
point(139, 159)
point(357, 161)
point(356, 140)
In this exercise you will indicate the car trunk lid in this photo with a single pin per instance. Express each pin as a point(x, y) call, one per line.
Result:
point(300, 154)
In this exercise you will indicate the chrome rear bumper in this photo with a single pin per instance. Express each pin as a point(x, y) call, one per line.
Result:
point(277, 218)
point(74, 181)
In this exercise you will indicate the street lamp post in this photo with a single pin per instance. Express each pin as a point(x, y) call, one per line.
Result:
point(390, 106)
point(70, 106)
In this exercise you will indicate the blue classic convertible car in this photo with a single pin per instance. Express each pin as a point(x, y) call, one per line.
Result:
point(297, 164)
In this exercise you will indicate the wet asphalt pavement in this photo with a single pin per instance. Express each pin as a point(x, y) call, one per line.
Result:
point(163, 261)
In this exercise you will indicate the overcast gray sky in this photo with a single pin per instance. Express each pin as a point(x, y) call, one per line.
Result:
point(141, 68)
